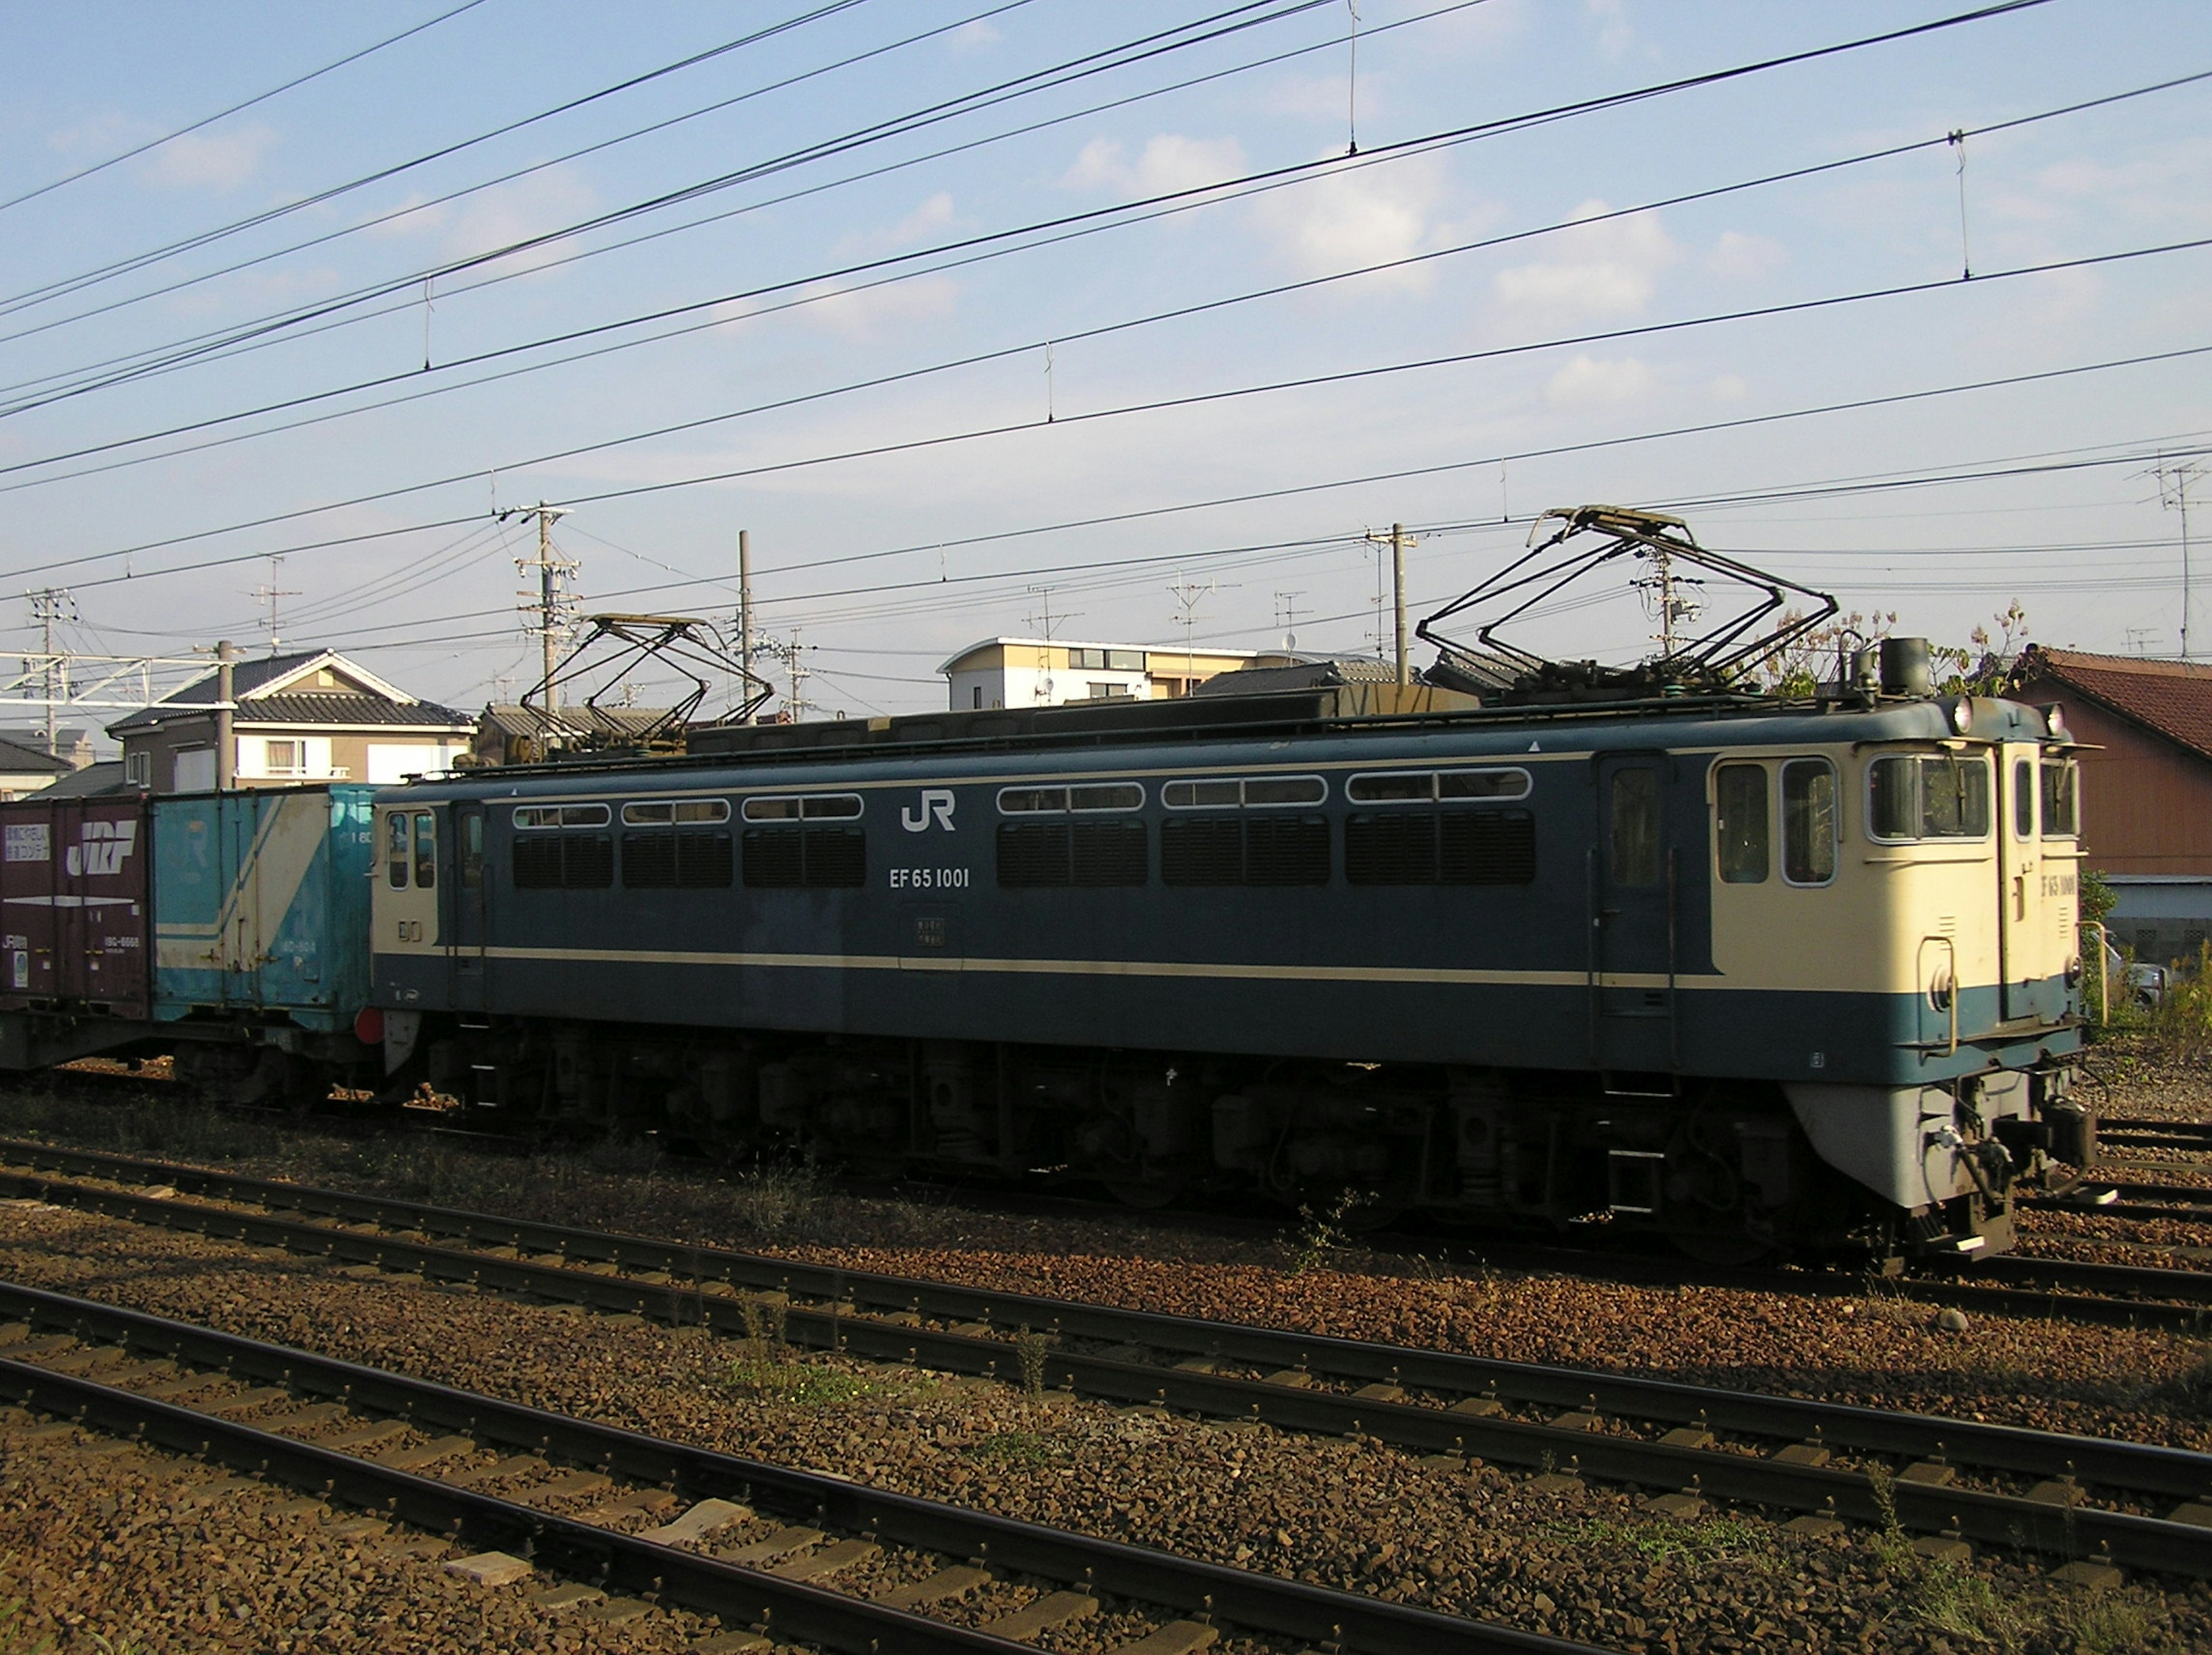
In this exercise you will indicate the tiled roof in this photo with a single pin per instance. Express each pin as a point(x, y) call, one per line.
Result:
point(511, 718)
point(2172, 699)
point(16, 760)
point(322, 710)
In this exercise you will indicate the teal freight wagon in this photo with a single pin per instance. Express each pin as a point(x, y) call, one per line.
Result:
point(261, 915)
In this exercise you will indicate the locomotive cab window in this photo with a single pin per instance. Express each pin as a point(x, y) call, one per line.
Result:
point(1810, 827)
point(398, 849)
point(473, 853)
point(1740, 823)
point(2059, 819)
point(2023, 799)
point(1632, 844)
point(1929, 796)
point(426, 850)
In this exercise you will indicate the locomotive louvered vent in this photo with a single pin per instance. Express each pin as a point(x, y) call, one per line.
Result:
point(791, 856)
point(573, 861)
point(686, 860)
point(1473, 847)
point(1252, 849)
point(1033, 855)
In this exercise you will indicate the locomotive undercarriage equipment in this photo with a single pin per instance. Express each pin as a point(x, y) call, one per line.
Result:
point(1726, 1169)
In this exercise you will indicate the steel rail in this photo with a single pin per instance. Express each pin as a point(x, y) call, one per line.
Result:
point(695, 1296)
point(1252, 1601)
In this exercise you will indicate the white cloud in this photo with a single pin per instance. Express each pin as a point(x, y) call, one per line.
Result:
point(1604, 269)
point(1614, 36)
point(1729, 387)
point(222, 160)
point(1170, 162)
point(1598, 382)
point(976, 35)
point(1341, 220)
point(514, 212)
point(1745, 257)
point(866, 313)
point(933, 215)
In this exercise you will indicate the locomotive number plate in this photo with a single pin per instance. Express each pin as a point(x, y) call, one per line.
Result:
point(929, 879)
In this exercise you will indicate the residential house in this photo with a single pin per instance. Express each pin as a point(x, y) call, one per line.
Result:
point(2146, 785)
point(1003, 672)
point(310, 717)
point(26, 770)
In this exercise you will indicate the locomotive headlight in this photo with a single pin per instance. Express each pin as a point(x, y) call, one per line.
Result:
point(2074, 971)
point(1962, 716)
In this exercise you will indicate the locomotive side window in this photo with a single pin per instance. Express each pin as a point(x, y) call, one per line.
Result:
point(1093, 797)
point(472, 849)
point(1633, 842)
point(1809, 827)
point(2023, 799)
point(1255, 792)
point(1420, 787)
point(1741, 825)
point(656, 813)
point(811, 806)
point(1933, 796)
point(397, 854)
point(426, 851)
point(2059, 819)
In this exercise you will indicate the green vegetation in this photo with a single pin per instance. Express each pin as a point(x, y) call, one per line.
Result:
point(795, 1384)
point(1698, 1539)
point(1012, 1448)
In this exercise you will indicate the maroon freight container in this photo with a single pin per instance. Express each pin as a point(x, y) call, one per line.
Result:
point(75, 925)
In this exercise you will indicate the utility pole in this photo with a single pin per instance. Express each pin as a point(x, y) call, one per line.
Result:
point(1398, 540)
point(2175, 477)
point(552, 602)
point(50, 607)
point(226, 721)
point(269, 593)
point(797, 699)
point(1188, 596)
point(745, 602)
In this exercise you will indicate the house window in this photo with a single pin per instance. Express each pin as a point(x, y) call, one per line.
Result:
point(139, 768)
point(284, 757)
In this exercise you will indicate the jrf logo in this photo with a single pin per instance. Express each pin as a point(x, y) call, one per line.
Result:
point(102, 850)
point(935, 801)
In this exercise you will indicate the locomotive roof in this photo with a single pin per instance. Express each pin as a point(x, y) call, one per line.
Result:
point(1116, 736)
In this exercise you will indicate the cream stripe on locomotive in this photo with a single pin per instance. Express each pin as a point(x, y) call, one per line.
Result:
point(1163, 968)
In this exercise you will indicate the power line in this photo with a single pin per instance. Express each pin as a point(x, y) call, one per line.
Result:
point(1236, 187)
point(935, 114)
point(1061, 73)
point(244, 104)
point(417, 206)
point(138, 261)
point(369, 536)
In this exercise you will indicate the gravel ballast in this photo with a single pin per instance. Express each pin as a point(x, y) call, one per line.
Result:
point(1589, 1563)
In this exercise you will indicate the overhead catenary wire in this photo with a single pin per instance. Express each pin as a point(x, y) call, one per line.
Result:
point(244, 104)
point(1064, 73)
point(265, 326)
point(412, 207)
point(13, 303)
point(1167, 203)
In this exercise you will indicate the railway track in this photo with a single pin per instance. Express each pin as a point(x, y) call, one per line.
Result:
point(2174, 1299)
point(432, 1457)
point(2156, 1134)
point(2067, 1496)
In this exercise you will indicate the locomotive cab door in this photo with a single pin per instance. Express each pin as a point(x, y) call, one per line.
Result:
point(2032, 952)
point(1633, 919)
point(467, 892)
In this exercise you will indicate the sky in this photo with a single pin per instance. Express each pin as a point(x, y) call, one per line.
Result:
point(1137, 321)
